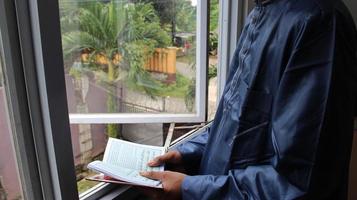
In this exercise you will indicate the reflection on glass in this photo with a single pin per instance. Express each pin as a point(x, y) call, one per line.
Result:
point(9, 182)
point(126, 56)
point(134, 56)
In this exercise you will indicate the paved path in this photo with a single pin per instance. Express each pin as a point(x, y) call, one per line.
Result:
point(186, 70)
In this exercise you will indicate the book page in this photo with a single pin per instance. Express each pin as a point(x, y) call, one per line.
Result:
point(125, 160)
point(131, 155)
point(123, 174)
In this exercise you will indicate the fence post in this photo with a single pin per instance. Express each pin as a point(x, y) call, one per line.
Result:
point(163, 60)
point(171, 64)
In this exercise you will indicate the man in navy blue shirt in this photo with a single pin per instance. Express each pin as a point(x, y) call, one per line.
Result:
point(283, 129)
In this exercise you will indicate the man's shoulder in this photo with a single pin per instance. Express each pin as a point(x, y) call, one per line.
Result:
point(306, 18)
point(326, 6)
point(306, 11)
point(309, 7)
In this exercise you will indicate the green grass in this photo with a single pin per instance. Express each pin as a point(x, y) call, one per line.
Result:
point(184, 59)
point(84, 185)
point(178, 89)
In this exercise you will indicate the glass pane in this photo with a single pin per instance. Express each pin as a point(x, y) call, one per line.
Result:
point(89, 142)
point(136, 56)
point(126, 56)
point(9, 181)
point(213, 59)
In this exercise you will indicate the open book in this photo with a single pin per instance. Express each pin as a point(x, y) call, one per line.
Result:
point(124, 160)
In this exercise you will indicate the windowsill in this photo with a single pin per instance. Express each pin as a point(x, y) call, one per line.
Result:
point(97, 191)
point(110, 191)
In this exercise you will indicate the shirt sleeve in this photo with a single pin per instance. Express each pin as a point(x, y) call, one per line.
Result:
point(192, 151)
point(297, 117)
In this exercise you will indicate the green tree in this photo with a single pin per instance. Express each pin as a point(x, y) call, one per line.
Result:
point(166, 10)
point(179, 15)
point(214, 15)
point(94, 28)
point(214, 23)
point(185, 19)
point(110, 29)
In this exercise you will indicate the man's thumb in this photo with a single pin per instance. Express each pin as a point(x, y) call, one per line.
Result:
point(158, 161)
point(152, 175)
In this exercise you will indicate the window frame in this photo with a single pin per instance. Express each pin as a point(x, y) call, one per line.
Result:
point(202, 31)
point(50, 98)
point(37, 100)
point(38, 162)
point(46, 168)
point(17, 107)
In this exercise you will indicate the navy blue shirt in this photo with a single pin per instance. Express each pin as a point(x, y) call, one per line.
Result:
point(283, 128)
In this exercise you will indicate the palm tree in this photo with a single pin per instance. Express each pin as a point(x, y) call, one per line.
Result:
point(106, 30)
point(100, 26)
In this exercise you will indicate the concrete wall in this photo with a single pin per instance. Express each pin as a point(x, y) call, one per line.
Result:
point(8, 172)
point(96, 101)
point(150, 134)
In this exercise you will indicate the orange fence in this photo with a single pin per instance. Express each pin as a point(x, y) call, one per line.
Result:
point(163, 61)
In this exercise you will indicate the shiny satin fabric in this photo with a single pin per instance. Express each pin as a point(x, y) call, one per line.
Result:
point(283, 129)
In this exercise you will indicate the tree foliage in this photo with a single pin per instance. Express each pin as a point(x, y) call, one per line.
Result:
point(179, 15)
point(166, 9)
point(214, 15)
point(107, 30)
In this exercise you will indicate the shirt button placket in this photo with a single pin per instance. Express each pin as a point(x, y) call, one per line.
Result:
point(242, 56)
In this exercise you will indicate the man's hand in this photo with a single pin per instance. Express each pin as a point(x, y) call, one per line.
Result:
point(171, 182)
point(172, 159)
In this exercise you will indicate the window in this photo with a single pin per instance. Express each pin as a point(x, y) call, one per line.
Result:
point(134, 61)
point(128, 63)
point(106, 90)
point(103, 87)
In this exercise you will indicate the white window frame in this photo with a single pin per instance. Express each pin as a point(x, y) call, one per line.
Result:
point(201, 87)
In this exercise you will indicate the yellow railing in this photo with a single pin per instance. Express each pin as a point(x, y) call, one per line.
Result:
point(163, 60)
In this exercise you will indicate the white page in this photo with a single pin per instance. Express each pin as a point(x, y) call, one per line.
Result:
point(123, 174)
point(124, 160)
point(131, 155)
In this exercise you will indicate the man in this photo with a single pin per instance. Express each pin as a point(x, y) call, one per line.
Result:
point(283, 129)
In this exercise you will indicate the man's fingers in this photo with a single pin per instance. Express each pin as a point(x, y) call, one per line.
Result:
point(157, 161)
point(160, 160)
point(153, 175)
